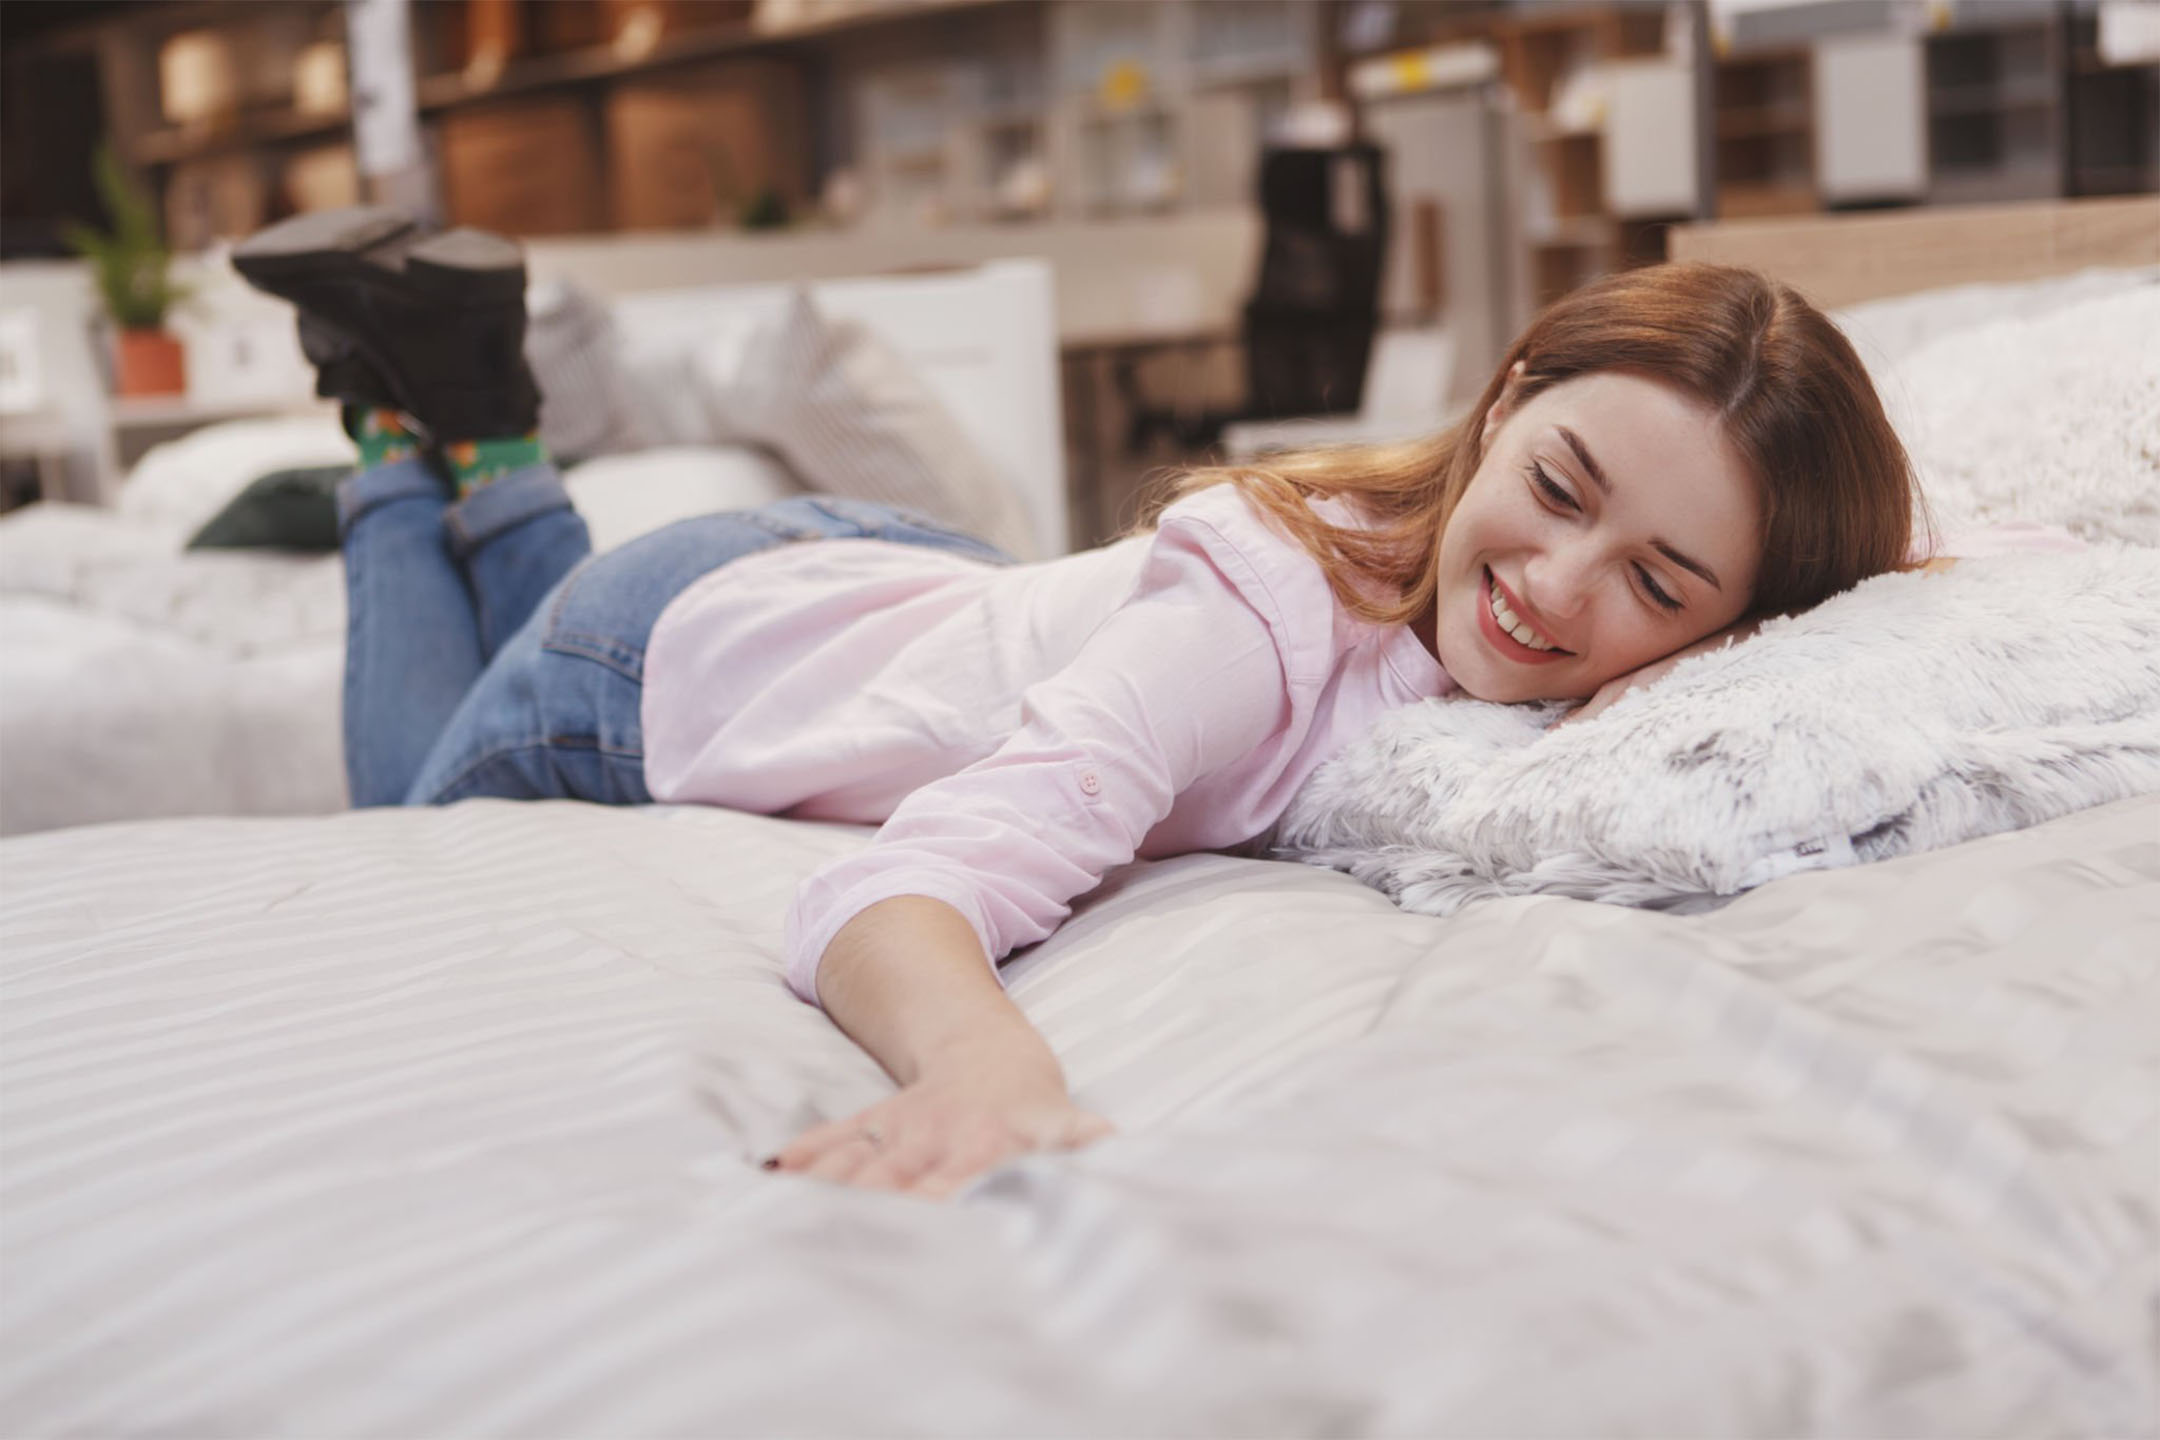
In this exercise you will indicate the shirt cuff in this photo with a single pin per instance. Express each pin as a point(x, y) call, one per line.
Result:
point(815, 919)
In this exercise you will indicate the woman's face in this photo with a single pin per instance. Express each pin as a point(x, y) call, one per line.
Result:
point(1611, 521)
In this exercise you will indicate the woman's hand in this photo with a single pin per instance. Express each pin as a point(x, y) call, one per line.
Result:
point(939, 1133)
point(907, 980)
point(1613, 689)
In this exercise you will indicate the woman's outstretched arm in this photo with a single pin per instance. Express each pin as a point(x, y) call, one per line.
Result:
point(908, 981)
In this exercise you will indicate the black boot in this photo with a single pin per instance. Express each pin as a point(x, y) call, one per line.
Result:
point(341, 372)
point(432, 325)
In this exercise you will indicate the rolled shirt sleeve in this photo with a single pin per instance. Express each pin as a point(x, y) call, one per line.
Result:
point(1187, 675)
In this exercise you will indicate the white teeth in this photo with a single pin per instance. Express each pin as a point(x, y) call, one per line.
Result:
point(1516, 626)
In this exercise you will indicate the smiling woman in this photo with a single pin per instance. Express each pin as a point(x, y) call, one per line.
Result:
point(1661, 458)
point(1610, 523)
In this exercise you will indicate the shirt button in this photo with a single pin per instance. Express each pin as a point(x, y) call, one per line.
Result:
point(1089, 784)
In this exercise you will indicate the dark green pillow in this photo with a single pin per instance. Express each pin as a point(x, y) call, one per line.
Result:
point(285, 510)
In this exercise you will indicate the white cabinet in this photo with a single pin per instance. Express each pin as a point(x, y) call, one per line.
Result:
point(1870, 118)
point(1650, 142)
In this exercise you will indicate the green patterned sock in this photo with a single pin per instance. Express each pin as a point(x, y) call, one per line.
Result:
point(474, 463)
point(381, 436)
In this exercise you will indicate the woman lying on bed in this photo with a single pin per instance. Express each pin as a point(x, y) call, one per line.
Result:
point(1663, 457)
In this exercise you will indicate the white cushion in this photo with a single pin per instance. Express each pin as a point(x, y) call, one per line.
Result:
point(625, 496)
point(852, 418)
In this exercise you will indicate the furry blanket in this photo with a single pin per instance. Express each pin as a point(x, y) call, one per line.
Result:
point(1913, 712)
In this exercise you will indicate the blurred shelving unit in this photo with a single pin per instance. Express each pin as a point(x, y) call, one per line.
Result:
point(1596, 87)
point(2112, 115)
point(547, 117)
point(1851, 103)
point(1763, 121)
point(1995, 93)
point(940, 111)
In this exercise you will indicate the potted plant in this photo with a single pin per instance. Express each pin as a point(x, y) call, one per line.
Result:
point(132, 270)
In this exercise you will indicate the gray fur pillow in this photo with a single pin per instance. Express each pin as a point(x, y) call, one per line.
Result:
point(1913, 712)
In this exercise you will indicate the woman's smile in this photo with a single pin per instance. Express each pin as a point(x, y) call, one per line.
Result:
point(1501, 622)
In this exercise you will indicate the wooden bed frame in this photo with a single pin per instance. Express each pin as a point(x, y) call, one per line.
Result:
point(1842, 259)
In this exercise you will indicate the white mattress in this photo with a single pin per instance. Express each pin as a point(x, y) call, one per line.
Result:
point(405, 1122)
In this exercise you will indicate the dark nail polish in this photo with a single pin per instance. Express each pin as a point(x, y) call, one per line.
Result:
point(770, 1162)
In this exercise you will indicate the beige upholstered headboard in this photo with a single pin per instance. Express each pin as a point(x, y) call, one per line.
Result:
point(1839, 260)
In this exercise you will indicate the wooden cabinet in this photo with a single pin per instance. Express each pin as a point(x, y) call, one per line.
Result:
point(1763, 120)
point(698, 147)
point(525, 167)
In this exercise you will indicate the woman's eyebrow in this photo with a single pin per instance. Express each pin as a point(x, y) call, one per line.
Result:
point(1687, 564)
point(1589, 461)
point(1597, 473)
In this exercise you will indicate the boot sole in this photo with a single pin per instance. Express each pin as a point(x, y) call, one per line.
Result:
point(365, 245)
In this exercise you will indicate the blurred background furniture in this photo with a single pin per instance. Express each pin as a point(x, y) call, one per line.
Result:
point(1306, 331)
point(1408, 369)
point(1529, 146)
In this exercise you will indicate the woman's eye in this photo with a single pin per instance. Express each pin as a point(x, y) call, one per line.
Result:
point(1553, 492)
point(1657, 593)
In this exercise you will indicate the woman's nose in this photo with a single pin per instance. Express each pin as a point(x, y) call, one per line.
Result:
point(1557, 582)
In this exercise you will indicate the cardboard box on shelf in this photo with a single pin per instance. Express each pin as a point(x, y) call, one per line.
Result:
point(633, 25)
point(525, 167)
point(198, 78)
point(322, 178)
point(696, 148)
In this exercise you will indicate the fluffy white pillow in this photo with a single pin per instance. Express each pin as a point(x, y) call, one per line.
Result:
point(850, 417)
point(1912, 712)
point(625, 496)
point(2051, 418)
point(1886, 331)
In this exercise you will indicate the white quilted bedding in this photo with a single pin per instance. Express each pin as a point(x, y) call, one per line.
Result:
point(444, 1122)
point(138, 679)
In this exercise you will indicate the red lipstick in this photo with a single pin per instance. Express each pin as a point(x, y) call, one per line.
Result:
point(1505, 643)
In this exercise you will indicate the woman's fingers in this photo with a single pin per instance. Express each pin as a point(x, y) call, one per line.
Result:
point(1087, 1128)
point(1081, 1129)
point(821, 1142)
point(841, 1162)
point(926, 1144)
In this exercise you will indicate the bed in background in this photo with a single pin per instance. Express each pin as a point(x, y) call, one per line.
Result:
point(139, 679)
point(445, 1121)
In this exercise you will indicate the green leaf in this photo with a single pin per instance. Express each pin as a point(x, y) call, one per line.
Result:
point(131, 264)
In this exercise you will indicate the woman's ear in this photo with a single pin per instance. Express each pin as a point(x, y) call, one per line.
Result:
point(1502, 407)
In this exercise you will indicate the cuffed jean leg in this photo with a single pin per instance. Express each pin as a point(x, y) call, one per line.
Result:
point(412, 645)
point(517, 537)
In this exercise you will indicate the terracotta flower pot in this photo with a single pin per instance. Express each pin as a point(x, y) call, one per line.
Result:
point(151, 362)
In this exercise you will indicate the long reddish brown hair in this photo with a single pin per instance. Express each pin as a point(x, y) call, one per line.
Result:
point(1838, 501)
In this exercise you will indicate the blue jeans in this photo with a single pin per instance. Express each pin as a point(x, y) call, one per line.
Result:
point(490, 652)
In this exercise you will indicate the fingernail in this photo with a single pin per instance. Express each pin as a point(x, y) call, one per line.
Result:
point(770, 1162)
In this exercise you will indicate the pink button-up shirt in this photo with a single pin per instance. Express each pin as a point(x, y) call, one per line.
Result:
point(1016, 731)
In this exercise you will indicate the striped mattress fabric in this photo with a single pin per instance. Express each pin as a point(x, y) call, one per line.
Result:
point(446, 1121)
